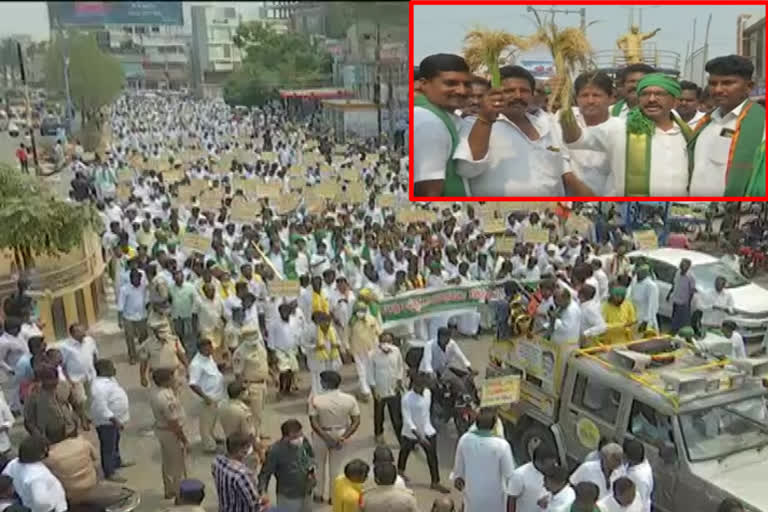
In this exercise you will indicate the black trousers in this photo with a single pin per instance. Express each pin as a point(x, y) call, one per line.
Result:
point(406, 447)
point(392, 403)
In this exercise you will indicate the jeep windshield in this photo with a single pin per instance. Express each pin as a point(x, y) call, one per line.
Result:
point(726, 429)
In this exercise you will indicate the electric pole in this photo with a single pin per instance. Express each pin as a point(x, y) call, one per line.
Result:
point(581, 12)
point(377, 84)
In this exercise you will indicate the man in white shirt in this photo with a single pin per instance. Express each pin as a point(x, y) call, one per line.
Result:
point(592, 322)
point(624, 498)
point(714, 305)
point(443, 353)
point(688, 104)
point(385, 377)
point(499, 150)
point(38, 489)
point(444, 85)
point(566, 318)
point(639, 471)
point(6, 423)
point(207, 382)
point(527, 485)
point(79, 353)
point(663, 172)
point(483, 467)
point(560, 495)
point(629, 77)
point(726, 140)
point(110, 412)
point(418, 430)
point(132, 301)
point(645, 297)
point(12, 348)
point(738, 350)
point(602, 472)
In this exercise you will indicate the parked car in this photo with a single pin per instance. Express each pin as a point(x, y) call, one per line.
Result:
point(750, 301)
point(49, 126)
point(13, 129)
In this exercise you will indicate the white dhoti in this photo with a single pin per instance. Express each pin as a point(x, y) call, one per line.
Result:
point(286, 360)
point(362, 361)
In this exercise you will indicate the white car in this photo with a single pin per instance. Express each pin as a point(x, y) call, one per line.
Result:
point(13, 129)
point(750, 300)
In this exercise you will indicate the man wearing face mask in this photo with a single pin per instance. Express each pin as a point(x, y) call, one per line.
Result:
point(292, 461)
point(364, 330)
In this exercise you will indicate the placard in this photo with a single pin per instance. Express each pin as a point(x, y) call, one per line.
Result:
point(494, 225)
point(297, 182)
point(646, 239)
point(578, 224)
point(536, 235)
point(268, 156)
point(339, 149)
point(244, 212)
point(209, 202)
point(352, 175)
point(197, 184)
point(314, 204)
point(500, 391)
point(173, 176)
point(355, 193)
point(505, 244)
point(284, 288)
point(195, 242)
point(386, 201)
point(269, 190)
point(326, 190)
point(286, 203)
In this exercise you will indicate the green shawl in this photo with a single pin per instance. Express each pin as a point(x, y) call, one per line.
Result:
point(756, 186)
point(453, 184)
point(748, 137)
point(637, 176)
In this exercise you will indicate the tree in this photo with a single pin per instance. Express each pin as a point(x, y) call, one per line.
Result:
point(35, 221)
point(273, 61)
point(95, 78)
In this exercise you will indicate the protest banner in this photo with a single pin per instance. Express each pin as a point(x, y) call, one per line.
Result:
point(578, 224)
point(500, 391)
point(355, 193)
point(268, 190)
point(505, 244)
point(646, 239)
point(286, 204)
point(326, 190)
point(494, 225)
point(244, 212)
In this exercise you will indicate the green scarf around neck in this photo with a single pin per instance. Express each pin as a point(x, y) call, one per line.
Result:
point(453, 184)
point(616, 110)
point(748, 137)
point(640, 129)
point(756, 187)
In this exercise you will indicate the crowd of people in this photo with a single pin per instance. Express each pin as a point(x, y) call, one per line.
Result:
point(209, 321)
point(639, 133)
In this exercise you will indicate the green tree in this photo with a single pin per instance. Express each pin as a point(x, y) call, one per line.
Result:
point(273, 61)
point(95, 78)
point(35, 221)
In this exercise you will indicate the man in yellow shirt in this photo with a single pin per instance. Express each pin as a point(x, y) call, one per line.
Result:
point(619, 316)
point(348, 487)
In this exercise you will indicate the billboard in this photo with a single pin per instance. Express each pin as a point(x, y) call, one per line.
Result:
point(79, 14)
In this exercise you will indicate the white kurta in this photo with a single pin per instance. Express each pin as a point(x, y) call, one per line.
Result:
point(669, 157)
point(645, 297)
point(486, 465)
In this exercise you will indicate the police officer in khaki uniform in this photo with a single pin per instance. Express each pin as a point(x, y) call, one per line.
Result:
point(162, 350)
point(236, 418)
point(335, 417)
point(169, 421)
point(250, 365)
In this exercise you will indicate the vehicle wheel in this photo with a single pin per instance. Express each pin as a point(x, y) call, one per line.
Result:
point(532, 435)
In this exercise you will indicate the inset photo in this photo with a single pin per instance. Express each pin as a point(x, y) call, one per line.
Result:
point(587, 102)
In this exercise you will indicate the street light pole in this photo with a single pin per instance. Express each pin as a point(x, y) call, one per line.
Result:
point(65, 58)
point(581, 12)
point(377, 85)
point(29, 108)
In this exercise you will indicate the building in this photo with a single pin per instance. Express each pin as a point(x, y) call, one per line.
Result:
point(751, 44)
point(278, 15)
point(214, 54)
point(147, 38)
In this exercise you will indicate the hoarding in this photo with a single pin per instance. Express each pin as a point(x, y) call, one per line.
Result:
point(69, 14)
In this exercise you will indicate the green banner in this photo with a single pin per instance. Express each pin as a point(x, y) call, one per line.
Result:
point(415, 304)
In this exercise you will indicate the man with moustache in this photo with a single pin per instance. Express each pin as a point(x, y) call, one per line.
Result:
point(629, 77)
point(444, 86)
point(507, 151)
point(647, 150)
point(478, 88)
point(726, 140)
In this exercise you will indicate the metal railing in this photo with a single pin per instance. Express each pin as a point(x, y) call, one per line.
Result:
point(659, 59)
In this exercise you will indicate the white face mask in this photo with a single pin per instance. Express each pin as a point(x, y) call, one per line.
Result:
point(298, 441)
point(360, 314)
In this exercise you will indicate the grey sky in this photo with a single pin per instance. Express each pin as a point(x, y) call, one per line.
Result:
point(441, 28)
point(32, 17)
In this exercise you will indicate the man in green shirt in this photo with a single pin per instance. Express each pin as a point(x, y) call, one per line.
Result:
point(183, 312)
point(586, 497)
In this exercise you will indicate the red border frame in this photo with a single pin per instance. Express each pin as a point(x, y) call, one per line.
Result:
point(536, 198)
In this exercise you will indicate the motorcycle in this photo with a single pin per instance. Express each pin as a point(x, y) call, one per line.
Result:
point(129, 502)
point(753, 259)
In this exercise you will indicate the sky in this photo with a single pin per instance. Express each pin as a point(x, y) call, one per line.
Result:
point(441, 28)
point(32, 17)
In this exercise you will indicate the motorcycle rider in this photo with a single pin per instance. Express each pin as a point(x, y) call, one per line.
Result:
point(444, 360)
